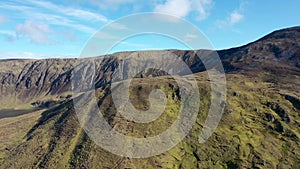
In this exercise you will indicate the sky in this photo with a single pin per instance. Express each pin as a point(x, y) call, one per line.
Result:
point(61, 28)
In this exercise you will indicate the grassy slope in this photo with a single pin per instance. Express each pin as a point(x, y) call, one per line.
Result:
point(13, 130)
point(244, 138)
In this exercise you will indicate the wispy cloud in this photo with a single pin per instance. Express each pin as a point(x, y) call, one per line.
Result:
point(52, 14)
point(31, 55)
point(18, 7)
point(134, 44)
point(190, 36)
point(105, 35)
point(72, 12)
point(7, 32)
point(203, 8)
point(36, 32)
point(178, 8)
point(68, 35)
point(234, 17)
point(110, 4)
point(9, 35)
point(118, 26)
point(182, 8)
point(2, 19)
point(53, 19)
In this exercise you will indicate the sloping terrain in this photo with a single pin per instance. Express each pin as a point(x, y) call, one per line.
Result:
point(260, 127)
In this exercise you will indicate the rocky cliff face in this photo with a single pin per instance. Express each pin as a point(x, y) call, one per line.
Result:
point(276, 49)
point(28, 79)
point(25, 80)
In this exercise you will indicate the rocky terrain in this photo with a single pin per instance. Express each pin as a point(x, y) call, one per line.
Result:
point(260, 127)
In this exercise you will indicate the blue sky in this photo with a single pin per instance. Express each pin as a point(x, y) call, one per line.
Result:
point(61, 28)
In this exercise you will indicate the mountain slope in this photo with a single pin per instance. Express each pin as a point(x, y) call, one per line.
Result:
point(260, 127)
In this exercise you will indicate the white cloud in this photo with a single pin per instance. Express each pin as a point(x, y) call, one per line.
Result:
point(178, 8)
point(110, 4)
point(60, 21)
point(77, 13)
point(16, 55)
point(133, 44)
point(31, 55)
point(202, 7)
point(15, 7)
point(235, 17)
point(85, 15)
point(53, 14)
point(105, 35)
point(119, 1)
point(68, 35)
point(7, 32)
point(182, 8)
point(2, 19)
point(36, 32)
point(9, 35)
point(190, 36)
point(118, 26)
